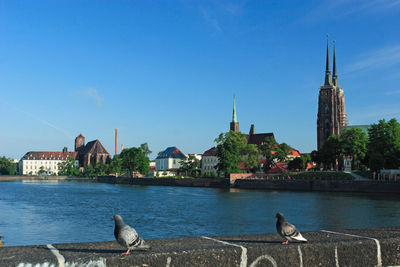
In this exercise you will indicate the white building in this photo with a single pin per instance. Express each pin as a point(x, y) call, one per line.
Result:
point(209, 162)
point(168, 162)
point(32, 162)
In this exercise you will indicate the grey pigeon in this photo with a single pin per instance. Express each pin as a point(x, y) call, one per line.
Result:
point(127, 237)
point(287, 230)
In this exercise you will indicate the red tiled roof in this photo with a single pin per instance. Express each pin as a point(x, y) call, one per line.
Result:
point(294, 152)
point(279, 167)
point(49, 155)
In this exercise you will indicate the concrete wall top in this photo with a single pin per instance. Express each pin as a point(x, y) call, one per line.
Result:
point(362, 247)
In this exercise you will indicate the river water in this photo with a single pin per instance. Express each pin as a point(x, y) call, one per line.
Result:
point(62, 212)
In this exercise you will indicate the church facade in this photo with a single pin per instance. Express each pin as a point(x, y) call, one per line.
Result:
point(331, 116)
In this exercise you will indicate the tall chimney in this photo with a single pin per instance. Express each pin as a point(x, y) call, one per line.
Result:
point(116, 142)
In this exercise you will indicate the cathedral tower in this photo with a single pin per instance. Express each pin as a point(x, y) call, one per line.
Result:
point(79, 142)
point(331, 111)
point(234, 124)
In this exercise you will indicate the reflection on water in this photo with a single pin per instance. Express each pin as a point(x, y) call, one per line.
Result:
point(42, 212)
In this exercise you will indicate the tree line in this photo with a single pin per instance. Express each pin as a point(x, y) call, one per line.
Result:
point(377, 150)
point(235, 155)
point(131, 160)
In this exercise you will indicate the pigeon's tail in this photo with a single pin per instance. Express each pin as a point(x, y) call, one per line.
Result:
point(299, 237)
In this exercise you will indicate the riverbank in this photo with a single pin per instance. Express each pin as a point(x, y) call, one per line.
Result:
point(360, 247)
point(356, 186)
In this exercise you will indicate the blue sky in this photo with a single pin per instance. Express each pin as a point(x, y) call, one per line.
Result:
point(165, 72)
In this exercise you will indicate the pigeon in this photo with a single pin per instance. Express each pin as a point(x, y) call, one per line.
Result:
point(127, 237)
point(287, 230)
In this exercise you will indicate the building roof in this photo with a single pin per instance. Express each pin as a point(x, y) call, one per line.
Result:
point(171, 152)
point(94, 146)
point(49, 155)
point(212, 152)
point(258, 139)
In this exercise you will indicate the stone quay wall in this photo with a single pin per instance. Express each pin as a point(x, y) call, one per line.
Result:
point(362, 186)
point(359, 247)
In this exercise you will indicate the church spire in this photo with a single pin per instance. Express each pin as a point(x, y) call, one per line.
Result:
point(328, 80)
point(234, 119)
point(234, 125)
point(334, 73)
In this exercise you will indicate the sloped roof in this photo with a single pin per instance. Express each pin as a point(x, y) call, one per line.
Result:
point(258, 139)
point(171, 152)
point(94, 147)
point(49, 155)
point(211, 152)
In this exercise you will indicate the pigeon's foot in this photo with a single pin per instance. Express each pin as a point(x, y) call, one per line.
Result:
point(286, 242)
point(126, 253)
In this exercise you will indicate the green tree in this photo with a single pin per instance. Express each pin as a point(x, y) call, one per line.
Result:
point(90, 171)
point(68, 168)
point(331, 152)
point(101, 169)
point(268, 149)
point(7, 166)
point(41, 170)
point(251, 160)
point(316, 157)
point(116, 165)
point(230, 147)
point(384, 145)
point(282, 151)
point(296, 164)
point(134, 160)
point(353, 143)
point(189, 165)
point(145, 148)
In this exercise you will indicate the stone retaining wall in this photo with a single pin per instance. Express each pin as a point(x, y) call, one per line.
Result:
point(362, 247)
point(364, 186)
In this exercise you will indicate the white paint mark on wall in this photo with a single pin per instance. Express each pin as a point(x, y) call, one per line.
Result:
point(243, 261)
point(169, 261)
point(336, 257)
point(264, 257)
point(99, 263)
point(60, 258)
point(300, 256)
point(378, 246)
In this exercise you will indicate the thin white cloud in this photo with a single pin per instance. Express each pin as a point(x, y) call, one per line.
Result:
point(371, 114)
point(210, 19)
point(42, 121)
point(91, 93)
point(396, 92)
point(214, 11)
point(341, 8)
point(381, 58)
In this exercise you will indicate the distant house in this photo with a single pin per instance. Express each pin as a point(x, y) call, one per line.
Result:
point(91, 153)
point(168, 161)
point(209, 162)
point(33, 161)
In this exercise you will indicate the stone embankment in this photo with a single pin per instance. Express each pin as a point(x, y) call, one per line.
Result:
point(362, 247)
point(361, 186)
point(357, 186)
